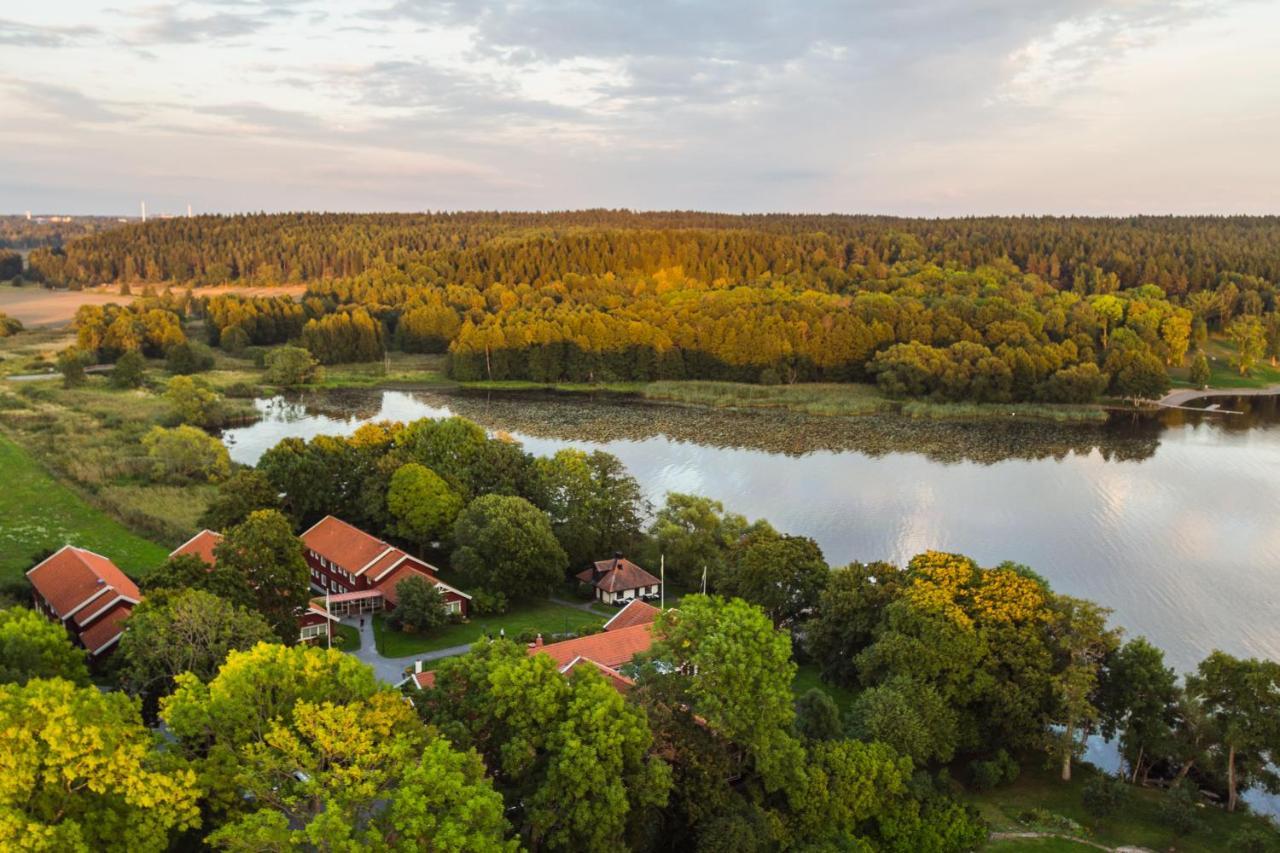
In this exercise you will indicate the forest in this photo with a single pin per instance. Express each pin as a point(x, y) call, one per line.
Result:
point(982, 310)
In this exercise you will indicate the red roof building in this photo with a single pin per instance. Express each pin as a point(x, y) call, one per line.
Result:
point(344, 559)
point(201, 545)
point(87, 593)
point(619, 580)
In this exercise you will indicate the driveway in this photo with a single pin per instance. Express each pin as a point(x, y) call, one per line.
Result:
point(391, 670)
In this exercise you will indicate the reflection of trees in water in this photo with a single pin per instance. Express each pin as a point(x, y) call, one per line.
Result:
point(790, 433)
point(360, 403)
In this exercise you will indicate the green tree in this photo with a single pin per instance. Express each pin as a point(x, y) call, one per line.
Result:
point(505, 545)
point(188, 357)
point(783, 574)
point(185, 454)
point(1271, 330)
point(421, 607)
point(850, 610)
point(909, 716)
point(192, 402)
point(817, 716)
point(80, 773)
point(423, 505)
point(1137, 374)
point(188, 571)
point(562, 746)
point(239, 495)
point(1082, 641)
point(1250, 340)
point(33, 647)
point(1240, 698)
point(1200, 373)
point(291, 366)
point(693, 533)
point(594, 504)
point(188, 630)
point(267, 557)
point(739, 672)
point(71, 364)
point(1137, 696)
point(1104, 796)
point(129, 371)
point(366, 775)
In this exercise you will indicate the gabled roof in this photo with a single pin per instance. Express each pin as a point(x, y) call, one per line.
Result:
point(387, 583)
point(636, 613)
point(611, 648)
point(616, 575)
point(73, 578)
point(201, 545)
point(350, 548)
point(425, 680)
point(620, 682)
point(102, 634)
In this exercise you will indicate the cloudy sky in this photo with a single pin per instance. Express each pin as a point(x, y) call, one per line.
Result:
point(928, 107)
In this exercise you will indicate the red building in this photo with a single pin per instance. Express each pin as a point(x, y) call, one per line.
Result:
point(360, 572)
point(88, 594)
point(313, 622)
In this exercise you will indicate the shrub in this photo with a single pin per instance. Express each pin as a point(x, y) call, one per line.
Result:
point(1010, 767)
point(1252, 839)
point(235, 340)
point(289, 366)
point(185, 454)
point(484, 603)
point(1104, 796)
point(71, 364)
point(129, 370)
point(189, 357)
point(421, 606)
point(1178, 808)
point(986, 774)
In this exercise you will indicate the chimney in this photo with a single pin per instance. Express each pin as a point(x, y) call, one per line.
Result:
point(417, 666)
point(537, 642)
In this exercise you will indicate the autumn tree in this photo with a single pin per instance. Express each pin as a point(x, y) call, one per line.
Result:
point(1200, 373)
point(1250, 341)
point(192, 402)
point(185, 454)
point(80, 773)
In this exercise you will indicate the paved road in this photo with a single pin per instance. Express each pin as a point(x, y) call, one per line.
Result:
point(1183, 395)
point(391, 670)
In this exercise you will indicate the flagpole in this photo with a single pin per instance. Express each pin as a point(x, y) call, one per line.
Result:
point(704, 578)
point(328, 620)
point(662, 582)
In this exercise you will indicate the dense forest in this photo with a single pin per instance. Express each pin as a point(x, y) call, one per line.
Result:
point(19, 232)
point(986, 310)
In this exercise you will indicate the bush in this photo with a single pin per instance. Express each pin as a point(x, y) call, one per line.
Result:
point(485, 603)
point(986, 774)
point(129, 370)
point(185, 454)
point(1252, 839)
point(71, 364)
point(1010, 767)
point(421, 606)
point(1178, 808)
point(289, 366)
point(1104, 796)
point(235, 340)
point(189, 357)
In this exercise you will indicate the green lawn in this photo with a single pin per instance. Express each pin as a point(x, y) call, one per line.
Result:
point(808, 677)
point(1038, 845)
point(350, 638)
point(545, 616)
point(1138, 824)
point(1222, 374)
point(37, 513)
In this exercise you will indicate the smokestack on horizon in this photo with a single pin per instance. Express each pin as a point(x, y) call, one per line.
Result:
point(144, 211)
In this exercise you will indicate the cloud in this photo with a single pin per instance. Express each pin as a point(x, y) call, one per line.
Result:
point(167, 24)
point(65, 103)
point(19, 34)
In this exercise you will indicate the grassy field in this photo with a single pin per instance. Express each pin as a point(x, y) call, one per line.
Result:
point(346, 638)
point(1220, 351)
point(1038, 845)
point(40, 514)
point(546, 617)
point(399, 368)
point(1138, 824)
point(809, 398)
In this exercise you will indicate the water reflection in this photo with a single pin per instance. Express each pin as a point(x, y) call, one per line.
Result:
point(1168, 520)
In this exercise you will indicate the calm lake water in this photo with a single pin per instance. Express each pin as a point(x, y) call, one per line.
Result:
point(1173, 522)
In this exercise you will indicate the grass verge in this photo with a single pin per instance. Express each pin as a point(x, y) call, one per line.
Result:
point(346, 638)
point(545, 617)
point(41, 514)
point(1138, 823)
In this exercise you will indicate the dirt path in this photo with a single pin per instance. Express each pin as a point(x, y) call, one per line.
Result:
point(1013, 836)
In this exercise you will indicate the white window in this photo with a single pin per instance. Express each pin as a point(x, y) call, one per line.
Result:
point(453, 607)
point(310, 632)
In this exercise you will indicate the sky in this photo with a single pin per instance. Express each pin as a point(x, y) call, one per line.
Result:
point(912, 107)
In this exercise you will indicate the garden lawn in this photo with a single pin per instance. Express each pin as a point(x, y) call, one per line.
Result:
point(346, 638)
point(1138, 823)
point(545, 617)
point(1220, 351)
point(1038, 845)
point(808, 677)
point(39, 514)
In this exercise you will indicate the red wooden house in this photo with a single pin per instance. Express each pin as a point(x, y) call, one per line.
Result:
point(87, 593)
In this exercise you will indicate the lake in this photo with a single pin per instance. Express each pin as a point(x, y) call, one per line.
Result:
point(1172, 521)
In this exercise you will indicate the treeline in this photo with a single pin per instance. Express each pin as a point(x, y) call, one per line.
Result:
point(1178, 254)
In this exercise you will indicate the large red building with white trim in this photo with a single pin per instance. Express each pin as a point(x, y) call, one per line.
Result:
point(87, 593)
point(360, 572)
